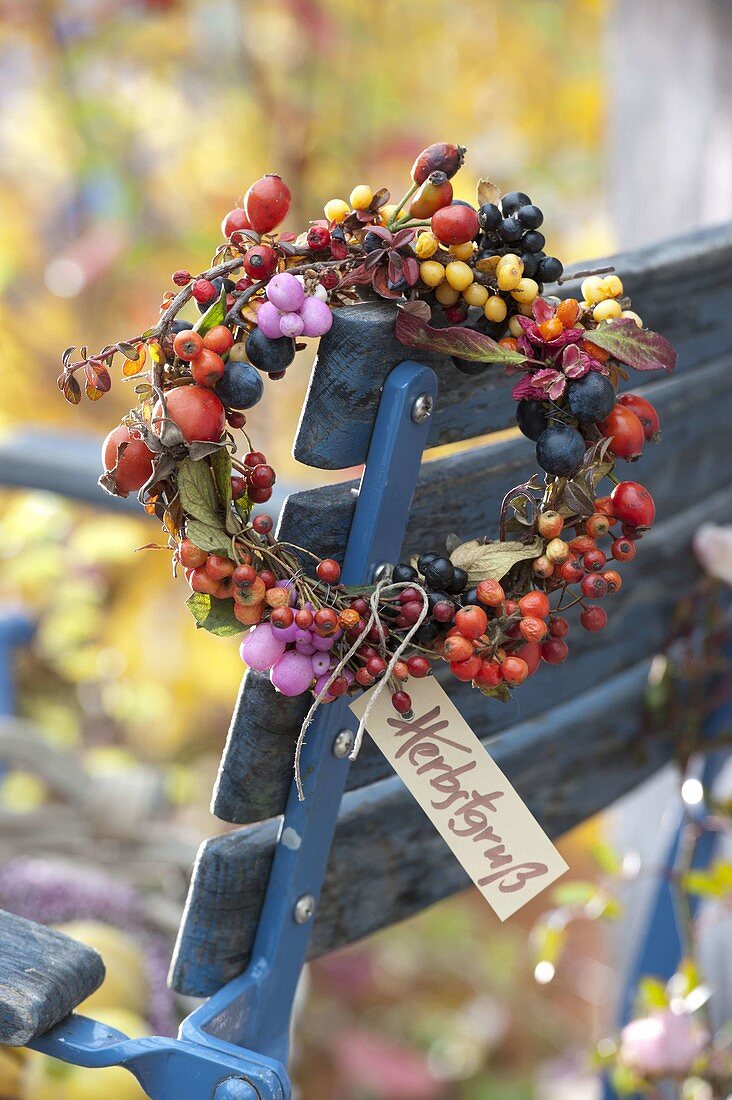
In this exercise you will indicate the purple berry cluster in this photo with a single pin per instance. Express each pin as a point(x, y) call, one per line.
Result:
point(288, 311)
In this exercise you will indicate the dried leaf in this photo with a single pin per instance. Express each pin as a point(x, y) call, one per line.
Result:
point(216, 616)
point(578, 499)
point(465, 343)
point(452, 542)
point(144, 390)
point(487, 192)
point(492, 560)
point(92, 392)
point(501, 692)
point(97, 376)
point(70, 389)
point(636, 347)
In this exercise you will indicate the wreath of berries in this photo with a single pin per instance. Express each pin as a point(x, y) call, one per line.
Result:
point(493, 610)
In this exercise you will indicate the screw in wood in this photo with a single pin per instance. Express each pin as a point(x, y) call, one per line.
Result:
point(343, 744)
point(304, 909)
point(422, 408)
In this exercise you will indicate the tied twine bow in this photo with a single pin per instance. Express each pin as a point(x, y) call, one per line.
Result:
point(383, 589)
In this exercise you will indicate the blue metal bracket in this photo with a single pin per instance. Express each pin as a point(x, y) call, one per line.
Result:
point(213, 1058)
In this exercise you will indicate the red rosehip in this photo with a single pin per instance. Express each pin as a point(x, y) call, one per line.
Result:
point(633, 504)
point(318, 237)
point(559, 627)
point(645, 412)
point(531, 653)
point(614, 580)
point(594, 586)
point(401, 702)
point(593, 618)
point(442, 156)
point(328, 570)
point(259, 496)
point(466, 670)
point(125, 449)
point(201, 581)
point(235, 220)
point(581, 544)
point(207, 368)
point(282, 617)
point(236, 419)
point(490, 593)
point(597, 525)
point(623, 549)
point(325, 622)
point(218, 567)
point(187, 344)
point(532, 628)
point(554, 651)
point(635, 534)
point(363, 678)
point(196, 410)
point(238, 486)
point(244, 576)
point(376, 666)
point(260, 261)
point(411, 612)
point(571, 571)
point(457, 648)
point(304, 618)
point(338, 687)
point(595, 561)
point(489, 675)
point(267, 203)
point(203, 291)
point(218, 339)
point(625, 431)
point(455, 224)
point(181, 277)
point(433, 194)
point(254, 458)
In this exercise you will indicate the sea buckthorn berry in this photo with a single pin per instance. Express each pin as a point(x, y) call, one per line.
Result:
point(551, 524)
point(612, 286)
point(594, 618)
point(419, 667)
point(557, 551)
point(402, 702)
point(593, 289)
point(446, 296)
point(509, 272)
point(633, 504)
point(263, 524)
point(187, 344)
point(476, 295)
point(582, 543)
point(514, 671)
point(532, 628)
point(336, 210)
point(431, 273)
point(568, 312)
point(542, 566)
point(571, 571)
point(466, 670)
point(489, 674)
point(325, 622)
point(471, 621)
point(495, 309)
point(594, 586)
point(329, 571)
point(607, 310)
point(534, 603)
point(597, 525)
point(426, 245)
point(490, 593)
point(623, 549)
point(594, 561)
point(462, 251)
point(526, 291)
point(459, 275)
point(614, 580)
point(361, 197)
point(554, 651)
point(645, 412)
point(457, 648)
point(549, 330)
point(455, 224)
point(558, 627)
point(218, 567)
point(218, 339)
point(190, 556)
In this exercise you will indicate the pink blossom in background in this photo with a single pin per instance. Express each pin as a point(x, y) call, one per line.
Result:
point(386, 1069)
point(713, 547)
point(661, 1045)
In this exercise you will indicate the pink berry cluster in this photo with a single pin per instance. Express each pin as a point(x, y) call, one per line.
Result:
point(289, 311)
point(294, 656)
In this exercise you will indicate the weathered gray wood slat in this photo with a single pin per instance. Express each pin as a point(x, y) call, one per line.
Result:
point(44, 975)
point(387, 862)
point(682, 288)
point(465, 491)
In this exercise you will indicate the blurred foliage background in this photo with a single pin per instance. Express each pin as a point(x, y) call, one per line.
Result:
point(127, 131)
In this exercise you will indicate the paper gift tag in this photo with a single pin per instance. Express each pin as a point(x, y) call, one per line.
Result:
point(465, 794)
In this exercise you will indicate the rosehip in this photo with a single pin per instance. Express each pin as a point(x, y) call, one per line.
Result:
point(260, 261)
point(534, 603)
point(623, 549)
point(490, 593)
point(325, 622)
point(466, 670)
point(318, 237)
point(203, 291)
point(550, 524)
point(645, 412)
point(571, 571)
point(633, 504)
point(125, 449)
point(235, 220)
point(263, 524)
point(419, 667)
point(614, 580)
point(328, 570)
point(433, 194)
point(218, 567)
point(582, 544)
point(201, 581)
point(455, 224)
point(439, 157)
point(244, 575)
point(196, 410)
point(457, 648)
point(625, 431)
point(595, 561)
point(282, 618)
point(533, 629)
point(267, 203)
point(489, 674)
point(597, 525)
point(401, 702)
point(207, 368)
point(191, 556)
point(471, 621)
point(559, 627)
point(531, 653)
point(218, 339)
point(594, 586)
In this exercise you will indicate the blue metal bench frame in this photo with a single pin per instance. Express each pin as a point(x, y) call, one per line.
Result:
point(235, 1046)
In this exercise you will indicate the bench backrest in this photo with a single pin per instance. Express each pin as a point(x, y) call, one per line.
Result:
point(573, 743)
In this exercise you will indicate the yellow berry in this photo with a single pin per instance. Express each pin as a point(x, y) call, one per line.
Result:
point(488, 263)
point(557, 551)
point(475, 294)
point(495, 308)
point(462, 251)
point(426, 245)
point(509, 274)
point(386, 213)
point(445, 295)
point(605, 311)
point(514, 327)
point(613, 286)
point(526, 291)
point(431, 273)
point(593, 289)
point(526, 309)
point(336, 210)
point(632, 316)
point(361, 197)
point(459, 275)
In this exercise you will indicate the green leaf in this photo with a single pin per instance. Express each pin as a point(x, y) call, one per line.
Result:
point(129, 351)
point(636, 347)
point(221, 466)
point(492, 560)
point(465, 343)
point(213, 316)
point(501, 692)
point(216, 616)
point(198, 492)
point(210, 537)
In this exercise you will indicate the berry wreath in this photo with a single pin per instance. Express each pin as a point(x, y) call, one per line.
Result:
point(483, 607)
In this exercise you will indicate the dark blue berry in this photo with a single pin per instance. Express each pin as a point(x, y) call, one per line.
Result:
point(439, 573)
point(403, 573)
point(550, 269)
point(531, 264)
point(533, 241)
point(510, 229)
point(269, 355)
point(490, 216)
point(513, 200)
point(560, 450)
point(459, 580)
point(591, 398)
point(372, 242)
point(240, 386)
point(530, 216)
point(424, 560)
point(531, 418)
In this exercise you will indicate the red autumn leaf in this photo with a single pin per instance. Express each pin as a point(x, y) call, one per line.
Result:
point(465, 343)
point(636, 347)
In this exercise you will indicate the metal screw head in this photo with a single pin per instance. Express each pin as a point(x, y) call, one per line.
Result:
point(304, 909)
point(233, 1088)
point(343, 744)
point(422, 408)
point(382, 572)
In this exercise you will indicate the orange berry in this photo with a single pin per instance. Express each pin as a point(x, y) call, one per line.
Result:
point(549, 330)
point(568, 312)
point(534, 603)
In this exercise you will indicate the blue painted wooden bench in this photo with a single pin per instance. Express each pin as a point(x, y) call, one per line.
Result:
point(298, 879)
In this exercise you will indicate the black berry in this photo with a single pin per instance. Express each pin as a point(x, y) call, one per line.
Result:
point(560, 450)
point(591, 398)
point(531, 418)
